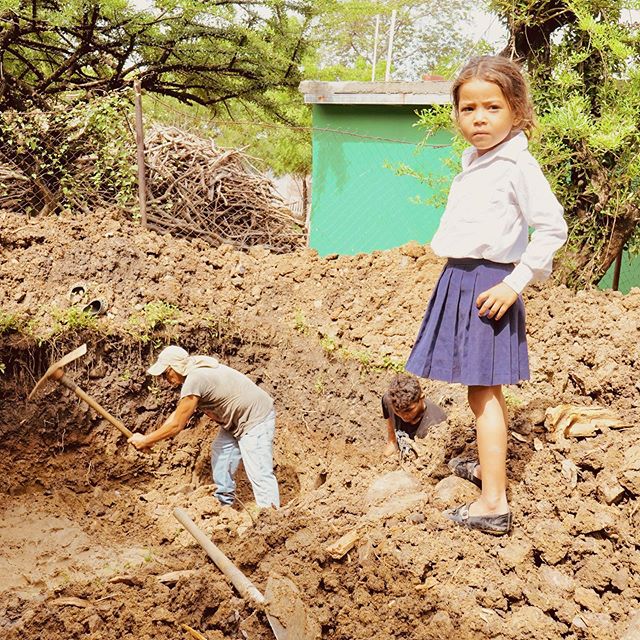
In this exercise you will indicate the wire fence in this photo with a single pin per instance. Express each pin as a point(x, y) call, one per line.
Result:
point(69, 158)
point(225, 180)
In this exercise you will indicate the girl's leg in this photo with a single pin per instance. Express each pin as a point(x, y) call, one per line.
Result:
point(490, 410)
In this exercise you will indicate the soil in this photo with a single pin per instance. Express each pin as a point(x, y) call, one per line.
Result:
point(89, 547)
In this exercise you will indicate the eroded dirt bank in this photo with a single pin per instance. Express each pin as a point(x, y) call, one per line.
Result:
point(87, 540)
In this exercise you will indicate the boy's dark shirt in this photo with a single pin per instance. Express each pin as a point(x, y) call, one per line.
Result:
point(433, 414)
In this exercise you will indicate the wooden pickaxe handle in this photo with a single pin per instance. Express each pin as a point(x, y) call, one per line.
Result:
point(245, 587)
point(72, 386)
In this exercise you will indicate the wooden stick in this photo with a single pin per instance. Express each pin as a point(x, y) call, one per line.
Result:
point(72, 386)
point(244, 586)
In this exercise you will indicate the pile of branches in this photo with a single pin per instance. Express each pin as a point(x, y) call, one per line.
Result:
point(15, 186)
point(196, 189)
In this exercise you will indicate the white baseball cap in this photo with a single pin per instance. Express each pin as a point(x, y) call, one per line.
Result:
point(172, 356)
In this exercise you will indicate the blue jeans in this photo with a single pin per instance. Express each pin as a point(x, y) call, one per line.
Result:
point(255, 448)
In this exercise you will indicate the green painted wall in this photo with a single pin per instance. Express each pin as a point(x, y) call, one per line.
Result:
point(358, 203)
point(629, 274)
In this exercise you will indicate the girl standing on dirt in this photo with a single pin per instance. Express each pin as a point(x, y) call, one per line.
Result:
point(473, 331)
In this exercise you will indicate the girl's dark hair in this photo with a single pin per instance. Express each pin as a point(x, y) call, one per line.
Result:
point(404, 391)
point(508, 76)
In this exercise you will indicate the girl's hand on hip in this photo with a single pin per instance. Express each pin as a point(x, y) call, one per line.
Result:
point(495, 302)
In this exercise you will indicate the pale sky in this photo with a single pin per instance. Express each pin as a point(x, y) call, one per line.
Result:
point(486, 25)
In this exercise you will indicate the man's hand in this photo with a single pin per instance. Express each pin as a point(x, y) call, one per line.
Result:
point(139, 441)
point(495, 302)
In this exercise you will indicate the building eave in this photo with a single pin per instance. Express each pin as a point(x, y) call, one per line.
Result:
point(392, 93)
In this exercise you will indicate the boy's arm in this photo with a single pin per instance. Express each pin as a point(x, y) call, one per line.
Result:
point(392, 443)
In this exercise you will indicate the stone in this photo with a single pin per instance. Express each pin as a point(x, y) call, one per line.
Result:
point(579, 623)
point(556, 579)
point(588, 521)
point(515, 553)
point(453, 490)
point(633, 629)
point(390, 484)
point(588, 599)
point(413, 249)
point(610, 491)
point(551, 538)
point(442, 625)
point(620, 579)
point(630, 472)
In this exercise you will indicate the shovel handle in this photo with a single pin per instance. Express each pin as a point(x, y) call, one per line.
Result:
point(72, 386)
point(245, 587)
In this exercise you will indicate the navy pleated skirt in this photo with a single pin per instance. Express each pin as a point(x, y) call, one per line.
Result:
point(455, 345)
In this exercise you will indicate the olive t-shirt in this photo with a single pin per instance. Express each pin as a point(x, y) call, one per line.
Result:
point(433, 414)
point(237, 402)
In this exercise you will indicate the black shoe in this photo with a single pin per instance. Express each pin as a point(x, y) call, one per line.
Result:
point(496, 525)
point(464, 469)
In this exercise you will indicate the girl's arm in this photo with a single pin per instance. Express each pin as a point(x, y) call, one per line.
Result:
point(543, 213)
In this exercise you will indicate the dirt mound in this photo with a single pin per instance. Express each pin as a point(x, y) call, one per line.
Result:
point(89, 541)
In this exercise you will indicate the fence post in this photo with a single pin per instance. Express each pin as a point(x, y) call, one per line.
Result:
point(142, 178)
point(616, 270)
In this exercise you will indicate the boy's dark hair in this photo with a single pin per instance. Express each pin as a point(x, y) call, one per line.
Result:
point(404, 391)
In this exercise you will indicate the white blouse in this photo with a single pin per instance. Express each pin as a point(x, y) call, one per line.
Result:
point(492, 203)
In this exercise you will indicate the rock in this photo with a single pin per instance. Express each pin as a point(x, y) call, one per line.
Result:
point(579, 623)
point(570, 472)
point(552, 539)
point(598, 623)
point(206, 506)
point(172, 577)
point(412, 249)
point(596, 573)
point(588, 599)
point(620, 579)
point(556, 579)
point(527, 619)
point(588, 521)
point(630, 473)
point(592, 459)
point(567, 611)
point(98, 372)
point(610, 491)
point(161, 614)
point(441, 625)
point(515, 553)
point(416, 518)
point(452, 490)
point(633, 630)
point(390, 484)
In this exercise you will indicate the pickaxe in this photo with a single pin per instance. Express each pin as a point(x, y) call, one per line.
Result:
point(56, 372)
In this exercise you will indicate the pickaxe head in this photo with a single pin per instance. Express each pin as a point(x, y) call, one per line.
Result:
point(58, 366)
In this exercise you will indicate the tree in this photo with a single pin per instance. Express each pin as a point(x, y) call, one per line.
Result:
point(429, 37)
point(582, 59)
point(199, 52)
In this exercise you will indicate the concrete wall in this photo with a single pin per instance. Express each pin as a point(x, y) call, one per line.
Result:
point(358, 203)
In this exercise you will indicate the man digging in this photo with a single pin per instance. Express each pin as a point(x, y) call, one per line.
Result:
point(243, 411)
